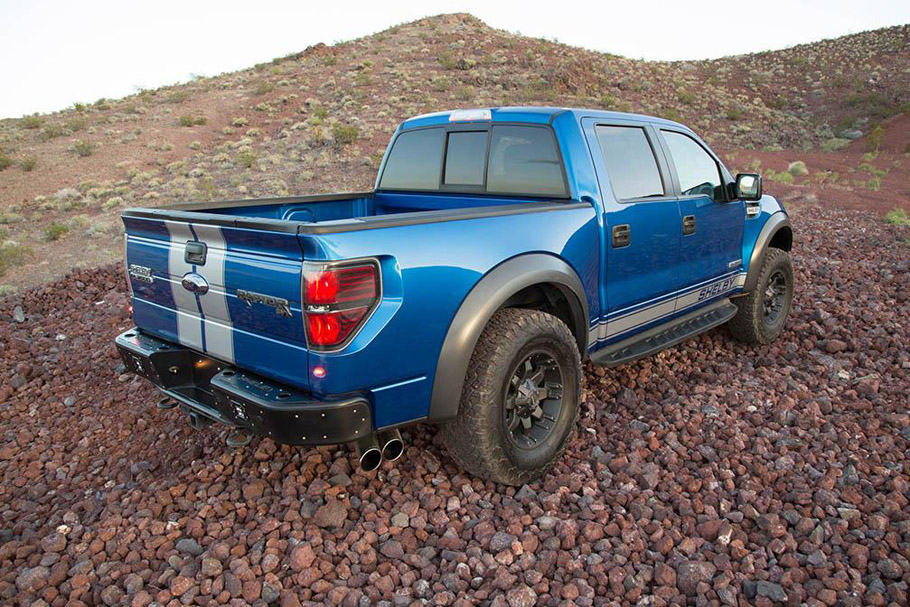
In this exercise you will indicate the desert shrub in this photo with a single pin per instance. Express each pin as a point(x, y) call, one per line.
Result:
point(834, 144)
point(345, 134)
point(79, 107)
point(671, 114)
point(177, 97)
point(685, 97)
point(75, 124)
point(190, 120)
point(447, 60)
point(608, 102)
point(51, 131)
point(440, 83)
point(84, 148)
point(31, 122)
point(5, 161)
point(465, 93)
point(874, 138)
point(734, 114)
point(320, 112)
point(797, 168)
point(55, 231)
point(781, 177)
point(897, 217)
point(264, 87)
point(28, 163)
point(11, 253)
point(247, 157)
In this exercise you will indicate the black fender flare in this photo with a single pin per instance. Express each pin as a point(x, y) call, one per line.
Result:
point(484, 299)
point(775, 223)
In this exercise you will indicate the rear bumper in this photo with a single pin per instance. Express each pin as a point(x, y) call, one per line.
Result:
point(207, 387)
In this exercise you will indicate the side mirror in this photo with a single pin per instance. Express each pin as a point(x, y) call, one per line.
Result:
point(748, 186)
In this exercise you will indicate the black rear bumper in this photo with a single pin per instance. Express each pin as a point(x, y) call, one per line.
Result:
point(219, 392)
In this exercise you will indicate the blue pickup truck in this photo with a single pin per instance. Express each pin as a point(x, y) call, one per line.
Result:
point(499, 249)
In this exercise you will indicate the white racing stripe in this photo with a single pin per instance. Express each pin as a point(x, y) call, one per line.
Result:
point(189, 325)
point(689, 298)
point(219, 332)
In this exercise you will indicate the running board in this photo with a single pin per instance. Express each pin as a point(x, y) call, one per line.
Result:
point(665, 335)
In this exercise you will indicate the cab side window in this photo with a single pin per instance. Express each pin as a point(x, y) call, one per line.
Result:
point(630, 162)
point(697, 170)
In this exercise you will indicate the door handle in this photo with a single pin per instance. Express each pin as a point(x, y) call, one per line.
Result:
point(688, 225)
point(195, 252)
point(622, 236)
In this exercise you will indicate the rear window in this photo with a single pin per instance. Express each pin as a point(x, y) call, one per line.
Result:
point(521, 160)
point(465, 157)
point(630, 162)
point(415, 161)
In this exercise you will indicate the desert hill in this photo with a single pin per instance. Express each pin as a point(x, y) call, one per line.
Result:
point(319, 120)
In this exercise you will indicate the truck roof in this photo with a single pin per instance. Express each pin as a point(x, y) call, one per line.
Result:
point(529, 114)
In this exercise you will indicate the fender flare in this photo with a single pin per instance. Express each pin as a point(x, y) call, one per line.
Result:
point(777, 222)
point(484, 299)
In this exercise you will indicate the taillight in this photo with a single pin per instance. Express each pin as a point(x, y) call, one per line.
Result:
point(337, 300)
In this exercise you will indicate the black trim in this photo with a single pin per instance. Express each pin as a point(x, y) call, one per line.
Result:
point(219, 392)
point(487, 296)
point(665, 335)
point(774, 224)
point(353, 225)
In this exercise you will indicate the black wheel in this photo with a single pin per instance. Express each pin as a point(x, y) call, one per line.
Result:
point(519, 405)
point(763, 312)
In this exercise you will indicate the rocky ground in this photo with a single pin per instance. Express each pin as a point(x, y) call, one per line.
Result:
point(712, 474)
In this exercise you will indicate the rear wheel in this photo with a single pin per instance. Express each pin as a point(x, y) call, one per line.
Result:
point(519, 405)
point(763, 312)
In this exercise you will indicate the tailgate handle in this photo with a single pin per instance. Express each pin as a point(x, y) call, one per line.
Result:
point(195, 253)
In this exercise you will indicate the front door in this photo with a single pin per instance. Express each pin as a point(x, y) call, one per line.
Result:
point(712, 227)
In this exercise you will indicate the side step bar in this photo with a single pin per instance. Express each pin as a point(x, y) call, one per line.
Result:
point(665, 335)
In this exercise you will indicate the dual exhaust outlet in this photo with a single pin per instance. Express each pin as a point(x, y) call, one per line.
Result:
point(376, 448)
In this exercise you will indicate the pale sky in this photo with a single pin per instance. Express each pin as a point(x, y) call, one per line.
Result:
point(57, 52)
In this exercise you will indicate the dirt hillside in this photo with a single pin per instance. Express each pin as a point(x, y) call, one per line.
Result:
point(319, 121)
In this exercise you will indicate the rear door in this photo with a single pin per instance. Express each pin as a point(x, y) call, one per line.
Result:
point(641, 227)
point(230, 292)
point(712, 226)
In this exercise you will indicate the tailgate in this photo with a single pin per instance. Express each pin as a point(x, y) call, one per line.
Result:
point(230, 292)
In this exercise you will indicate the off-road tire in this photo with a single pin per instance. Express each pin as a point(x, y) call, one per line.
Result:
point(478, 438)
point(750, 325)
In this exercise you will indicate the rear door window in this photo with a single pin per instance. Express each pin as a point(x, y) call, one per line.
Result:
point(466, 155)
point(630, 162)
point(524, 160)
point(415, 162)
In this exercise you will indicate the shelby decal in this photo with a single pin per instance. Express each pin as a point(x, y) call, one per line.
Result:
point(141, 273)
point(717, 288)
point(281, 305)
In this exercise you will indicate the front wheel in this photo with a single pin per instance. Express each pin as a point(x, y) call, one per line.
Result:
point(763, 312)
point(519, 405)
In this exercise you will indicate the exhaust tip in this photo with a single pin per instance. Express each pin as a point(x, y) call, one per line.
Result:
point(370, 459)
point(392, 445)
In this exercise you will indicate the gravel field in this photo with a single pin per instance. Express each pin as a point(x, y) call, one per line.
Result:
point(713, 474)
